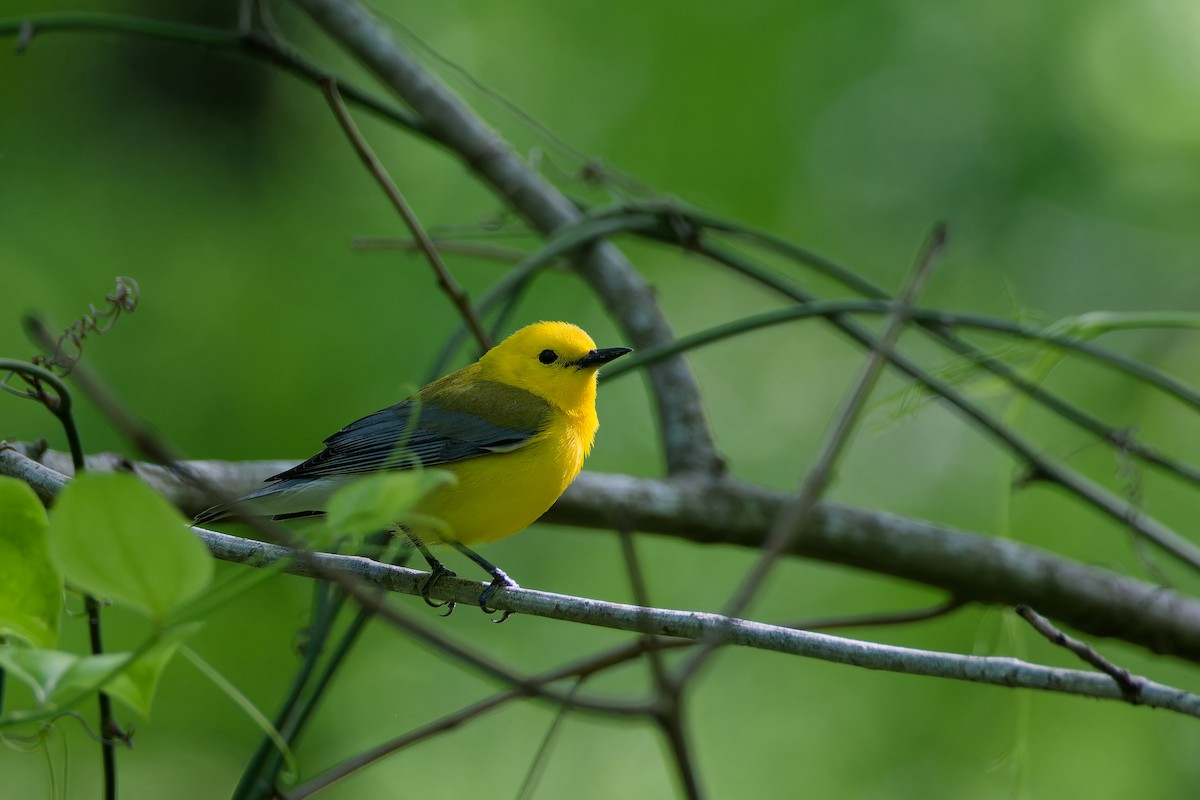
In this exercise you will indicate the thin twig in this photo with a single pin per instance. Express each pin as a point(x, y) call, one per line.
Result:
point(668, 693)
point(671, 723)
point(59, 404)
point(257, 45)
point(110, 731)
point(1131, 685)
point(537, 766)
point(581, 669)
point(1042, 468)
point(409, 738)
point(260, 771)
point(641, 596)
point(1169, 385)
point(792, 517)
point(445, 280)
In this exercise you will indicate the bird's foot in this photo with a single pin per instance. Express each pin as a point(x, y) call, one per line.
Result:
point(437, 572)
point(499, 580)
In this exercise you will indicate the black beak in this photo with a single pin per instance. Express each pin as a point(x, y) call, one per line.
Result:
point(597, 358)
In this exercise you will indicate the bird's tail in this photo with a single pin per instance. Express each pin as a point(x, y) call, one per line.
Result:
point(214, 514)
point(286, 499)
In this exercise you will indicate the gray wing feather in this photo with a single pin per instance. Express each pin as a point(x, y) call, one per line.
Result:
point(407, 435)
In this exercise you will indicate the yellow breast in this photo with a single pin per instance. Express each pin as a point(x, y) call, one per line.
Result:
point(500, 494)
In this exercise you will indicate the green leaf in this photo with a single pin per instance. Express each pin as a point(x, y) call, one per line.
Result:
point(87, 675)
point(135, 685)
point(113, 536)
point(30, 586)
point(40, 670)
point(59, 679)
point(377, 502)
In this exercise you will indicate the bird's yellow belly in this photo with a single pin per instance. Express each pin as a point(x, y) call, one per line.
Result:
point(501, 494)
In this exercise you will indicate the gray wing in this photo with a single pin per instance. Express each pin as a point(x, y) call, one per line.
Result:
point(407, 435)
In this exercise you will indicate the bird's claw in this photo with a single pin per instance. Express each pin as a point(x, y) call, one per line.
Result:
point(501, 580)
point(436, 573)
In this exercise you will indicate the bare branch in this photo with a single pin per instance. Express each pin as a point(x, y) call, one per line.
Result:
point(696, 625)
point(248, 42)
point(580, 669)
point(1041, 467)
point(375, 167)
point(724, 511)
point(786, 527)
point(1009, 672)
point(1049, 336)
point(1131, 685)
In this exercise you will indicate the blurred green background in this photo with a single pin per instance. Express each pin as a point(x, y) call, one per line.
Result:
point(1061, 142)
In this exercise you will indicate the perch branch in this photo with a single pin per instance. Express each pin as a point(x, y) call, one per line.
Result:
point(724, 511)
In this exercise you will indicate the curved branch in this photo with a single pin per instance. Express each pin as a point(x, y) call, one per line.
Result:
point(1138, 370)
point(1040, 467)
point(250, 43)
point(682, 226)
point(441, 272)
point(969, 566)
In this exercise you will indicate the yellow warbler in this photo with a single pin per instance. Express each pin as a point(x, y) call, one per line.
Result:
point(513, 428)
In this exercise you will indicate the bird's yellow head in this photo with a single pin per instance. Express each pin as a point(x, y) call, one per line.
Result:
point(556, 361)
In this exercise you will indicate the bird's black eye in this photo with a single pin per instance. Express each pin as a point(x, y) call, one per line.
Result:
point(547, 356)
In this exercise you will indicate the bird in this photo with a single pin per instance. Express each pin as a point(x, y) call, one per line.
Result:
point(513, 428)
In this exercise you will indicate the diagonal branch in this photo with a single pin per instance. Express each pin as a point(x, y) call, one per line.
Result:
point(786, 527)
point(1040, 467)
point(1130, 684)
point(379, 172)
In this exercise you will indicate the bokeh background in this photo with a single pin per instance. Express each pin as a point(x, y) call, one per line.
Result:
point(1061, 142)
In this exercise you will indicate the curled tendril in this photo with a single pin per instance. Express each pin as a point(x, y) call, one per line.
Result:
point(69, 347)
point(31, 742)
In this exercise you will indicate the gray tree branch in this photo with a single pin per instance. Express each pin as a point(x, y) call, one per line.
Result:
point(998, 671)
point(970, 566)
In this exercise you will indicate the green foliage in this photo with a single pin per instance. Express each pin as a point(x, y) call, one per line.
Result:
point(113, 536)
point(1058, 140)
point(30, 586)
point(135, 686)
point(61, 680)
point(109, 535)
